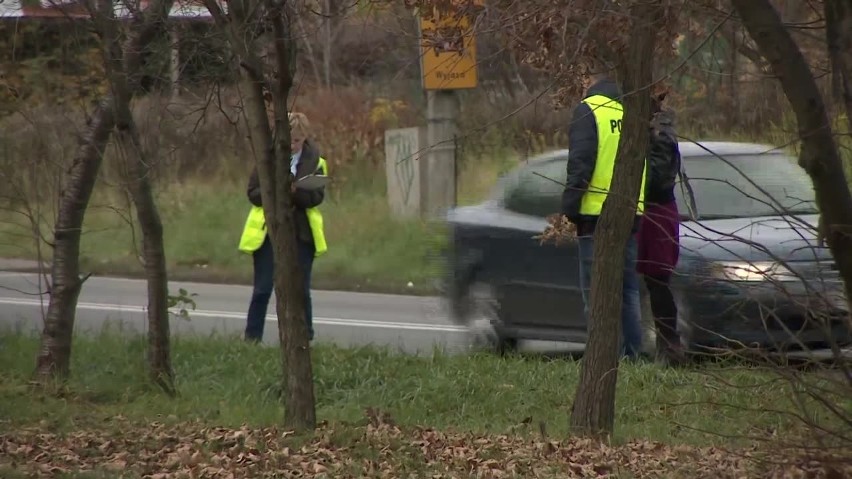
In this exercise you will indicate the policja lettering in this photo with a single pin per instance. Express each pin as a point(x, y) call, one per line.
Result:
point(615, 124)
point(593, 140)
point(608, 113)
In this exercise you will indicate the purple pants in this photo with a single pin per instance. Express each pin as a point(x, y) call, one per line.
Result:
point(658, 240)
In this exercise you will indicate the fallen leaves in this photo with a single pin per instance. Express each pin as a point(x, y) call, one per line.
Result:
point(559, 231)
point(380, 449)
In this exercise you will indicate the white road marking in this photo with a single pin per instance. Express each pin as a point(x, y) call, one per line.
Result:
point(358, 323)
point(4, 274)
point(141, 282)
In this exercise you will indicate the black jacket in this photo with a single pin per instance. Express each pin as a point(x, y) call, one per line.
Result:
point(663, 160)
point(582, 157)
point(302, 199)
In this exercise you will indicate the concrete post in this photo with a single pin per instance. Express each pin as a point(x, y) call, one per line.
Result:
point(439, 182)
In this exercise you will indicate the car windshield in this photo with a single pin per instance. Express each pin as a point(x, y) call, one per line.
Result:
point(744, 186)
point(738, 186)
point(534, 189)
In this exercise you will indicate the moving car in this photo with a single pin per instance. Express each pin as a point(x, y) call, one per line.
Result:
point(751, 271)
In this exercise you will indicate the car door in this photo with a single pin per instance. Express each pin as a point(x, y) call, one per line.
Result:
point(541, 289)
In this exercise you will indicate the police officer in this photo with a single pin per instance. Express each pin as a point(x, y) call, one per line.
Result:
point(310, 236)
point(593, 145)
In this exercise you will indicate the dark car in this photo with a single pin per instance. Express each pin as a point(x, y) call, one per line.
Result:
point(751, 271)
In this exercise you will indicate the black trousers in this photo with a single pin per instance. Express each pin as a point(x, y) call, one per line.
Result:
point(263, 287)
point(664, 309)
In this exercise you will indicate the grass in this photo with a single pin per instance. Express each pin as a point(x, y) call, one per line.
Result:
point(203, 219)
point(383, 415)
point(228, 383)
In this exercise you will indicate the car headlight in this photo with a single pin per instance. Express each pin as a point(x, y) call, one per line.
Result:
point(755, 271)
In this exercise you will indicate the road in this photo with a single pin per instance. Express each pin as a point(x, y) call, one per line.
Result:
point(410, 323)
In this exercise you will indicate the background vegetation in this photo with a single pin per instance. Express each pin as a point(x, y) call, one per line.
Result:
point(370, 82)
point(358, 75)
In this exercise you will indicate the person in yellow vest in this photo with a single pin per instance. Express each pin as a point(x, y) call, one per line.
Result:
point(592, 147)
point(305, 159)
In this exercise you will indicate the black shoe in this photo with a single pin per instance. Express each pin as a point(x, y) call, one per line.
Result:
point(672, 356)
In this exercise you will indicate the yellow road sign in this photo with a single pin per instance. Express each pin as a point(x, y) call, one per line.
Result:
point(447, 52)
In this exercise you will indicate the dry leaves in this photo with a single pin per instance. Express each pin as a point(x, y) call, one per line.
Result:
point(559, 231)
point(378, 450)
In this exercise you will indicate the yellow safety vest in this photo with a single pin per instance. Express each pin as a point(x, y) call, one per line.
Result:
point(254, 231)
point(608, 114)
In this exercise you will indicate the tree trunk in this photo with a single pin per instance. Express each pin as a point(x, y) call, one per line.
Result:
point(54, 356)
point(838, 33)
point(154, 256)
point(153, 252)
point(272, 156)
point(327, 44)
point(124, 77)
point(55, 352)
point(298, 379)
point(306, 39)
point(593, 411)
point(820, 155)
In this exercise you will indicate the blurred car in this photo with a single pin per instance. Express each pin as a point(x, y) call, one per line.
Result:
point(750, 271)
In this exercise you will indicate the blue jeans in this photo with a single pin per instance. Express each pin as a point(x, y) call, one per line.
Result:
point(264, 272)
point(631, 313)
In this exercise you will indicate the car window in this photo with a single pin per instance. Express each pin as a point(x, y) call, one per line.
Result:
point(725, 188)
point(536, 189)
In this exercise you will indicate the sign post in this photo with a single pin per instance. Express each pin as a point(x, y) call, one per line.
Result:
point(448, 64)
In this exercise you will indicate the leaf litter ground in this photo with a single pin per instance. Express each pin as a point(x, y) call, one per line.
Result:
point(380, 449)
point(453, 416)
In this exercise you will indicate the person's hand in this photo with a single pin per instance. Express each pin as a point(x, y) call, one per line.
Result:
point(559, 230)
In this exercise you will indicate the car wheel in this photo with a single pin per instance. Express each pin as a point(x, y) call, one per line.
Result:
point(485, 321)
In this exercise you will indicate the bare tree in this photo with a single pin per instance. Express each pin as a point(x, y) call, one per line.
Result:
point(820, 153)
point(593, 411)
point(54, 355)
point(838, 22)
point(561, 38)
point(137, 163)
point(267, 72)
point(333, 12)
point(153, 250)
point(121, 78)
point(322, 23)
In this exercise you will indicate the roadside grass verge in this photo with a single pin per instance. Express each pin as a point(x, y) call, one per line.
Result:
point(225, 382)
point(388, 415)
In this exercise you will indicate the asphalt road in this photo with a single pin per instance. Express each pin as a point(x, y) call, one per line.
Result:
point(412, 324)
